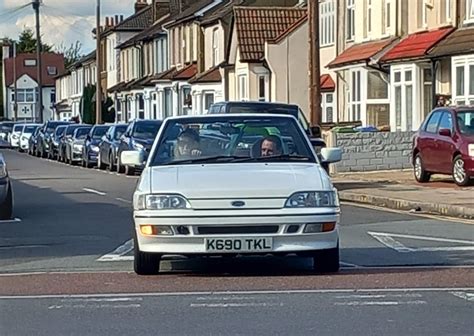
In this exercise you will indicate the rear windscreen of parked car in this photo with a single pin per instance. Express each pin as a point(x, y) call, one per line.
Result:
point(99, 132)
point(18, 128)
point(119, 131)
point(82, 133)
point(30, 129)
point(146, 131)
point(466, 122)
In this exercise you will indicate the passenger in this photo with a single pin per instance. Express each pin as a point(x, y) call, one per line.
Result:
point(187, 145)
point(271, 146)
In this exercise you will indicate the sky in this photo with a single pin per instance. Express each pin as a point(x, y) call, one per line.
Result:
point(62, 21)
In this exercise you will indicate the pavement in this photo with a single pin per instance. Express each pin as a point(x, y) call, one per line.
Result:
point(66, 269)
point(399, 190)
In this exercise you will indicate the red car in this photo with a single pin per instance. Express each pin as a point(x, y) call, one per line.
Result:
point(444, 144)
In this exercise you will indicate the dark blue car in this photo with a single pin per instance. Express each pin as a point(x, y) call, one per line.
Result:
point(90, 151)
point(108, 147)
point(139, 135)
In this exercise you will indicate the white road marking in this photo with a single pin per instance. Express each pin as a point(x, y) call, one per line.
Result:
point(234, 305)
point(95, 306)
point(262, 292)
point(346, 264)
point(388, 240)
point(123, 200)
point(119, 253)
point(379, 303)
point(464, 295)
point(14, 220)
point(93, 191)
point(125, 299)
point(379, 296)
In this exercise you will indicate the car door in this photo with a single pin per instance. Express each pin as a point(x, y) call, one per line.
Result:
point(445, 144)
point(427, 144)
point(125, 142)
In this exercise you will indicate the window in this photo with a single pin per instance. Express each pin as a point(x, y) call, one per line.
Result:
point(463, 81)
point(369, 17)
point(141, 106)
point(243, 93)
point(432, 125)
point(377, 87)
point(446, 121)
point(427, 92)
point(386, 17)
point(350, 20)
point(208, 101)
point(403, 103)
point(30, 63)
point(327, 22)
point(422, 11)
point(52, 96)
point(446, 11)
point(186, 101)
point(470, 10)
point(327, 105)
point(355, 96)
point(168, 102)
point(215, 47)
point(26, 95)
point(262, 88)
point(52, 70)
point(191, 43)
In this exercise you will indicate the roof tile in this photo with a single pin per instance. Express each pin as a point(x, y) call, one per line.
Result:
point(416, 45)
point(458, 43)
point(256, 25)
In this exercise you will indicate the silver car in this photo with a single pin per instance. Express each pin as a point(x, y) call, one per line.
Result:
point(6, 194)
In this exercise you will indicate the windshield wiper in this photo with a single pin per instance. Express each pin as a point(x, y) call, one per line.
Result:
point(216, 158)
point(277, 157)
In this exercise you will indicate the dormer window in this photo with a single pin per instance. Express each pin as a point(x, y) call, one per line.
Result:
point(52, 70)
point(30, 62)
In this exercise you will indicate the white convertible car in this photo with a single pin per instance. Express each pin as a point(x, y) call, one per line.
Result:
point(241, 184)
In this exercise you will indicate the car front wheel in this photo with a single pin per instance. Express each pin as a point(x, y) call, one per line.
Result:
point(421, 175)
point(460, 175)
point(145, 263)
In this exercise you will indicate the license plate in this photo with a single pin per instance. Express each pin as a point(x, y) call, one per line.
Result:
point(239, 244)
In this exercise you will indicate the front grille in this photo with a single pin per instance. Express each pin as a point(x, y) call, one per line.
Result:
point(209, 230)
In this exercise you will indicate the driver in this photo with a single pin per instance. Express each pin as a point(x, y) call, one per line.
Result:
point(187, 144)
point(271, 146)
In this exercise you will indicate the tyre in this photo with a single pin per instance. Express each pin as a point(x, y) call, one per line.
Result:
point(145, 263)
point(111, 163)
point(460, 176)
point(100, 164)
point(326, 261)
point(129, 171)
point(421, 175)
point(6, 210)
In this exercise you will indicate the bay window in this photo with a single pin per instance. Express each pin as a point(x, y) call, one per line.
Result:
point(327, 106)
point(404, 103)
point(469, 10)
point(327, 22)
point(463, 81)
point(355, 96)
point(378, 105)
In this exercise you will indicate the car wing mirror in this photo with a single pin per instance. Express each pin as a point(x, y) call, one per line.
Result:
point(331, 155)
point(445, 132)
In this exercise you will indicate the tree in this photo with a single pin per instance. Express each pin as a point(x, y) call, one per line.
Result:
point(27, 43)
point(72, 54)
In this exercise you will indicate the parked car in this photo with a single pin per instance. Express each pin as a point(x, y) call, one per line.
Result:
point(45, 134)
point(54, 139)
point(90, 150)
point(33, 141)
point(6, 194)
point(63, 141)
point(272, 197)
point(444, 144)
point(6, 128)
point(140, 135)
point(25, 136)
point(108, 147)
point(75, 144)
point(15, 136)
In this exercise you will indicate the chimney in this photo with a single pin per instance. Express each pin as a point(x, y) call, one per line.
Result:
point(116, 22)
point(6, 49)
point(160, 8)
point(139, 5)
point(121, 18)
point(177, 6)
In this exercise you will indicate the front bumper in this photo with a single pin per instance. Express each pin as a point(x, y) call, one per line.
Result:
point(469, 165)
point(76, 156)
point(194, 242)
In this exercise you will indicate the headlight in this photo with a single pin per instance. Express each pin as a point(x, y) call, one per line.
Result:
point(161, 202)
point(24, 138)
point(77, 147)
point(3, 171)
point(313, 199)
point(55, 143)
point(94, 148)
point(138, 146)
point(470, 150)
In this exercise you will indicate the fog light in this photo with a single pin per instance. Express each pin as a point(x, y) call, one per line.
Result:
point(156, 230)
point(312, 228)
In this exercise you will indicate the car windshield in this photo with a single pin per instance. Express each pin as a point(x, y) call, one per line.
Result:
point(99, 132)
point(18, 128)
point(71, 129)
point(119, 131)
point(82, 132)
point(227, 139)
point(50, 128)
point(59, 131)
point(466, 122)
point(146, 130)
point(29, 129)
